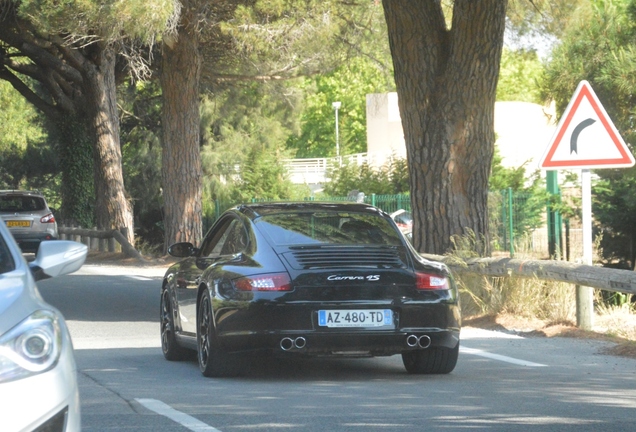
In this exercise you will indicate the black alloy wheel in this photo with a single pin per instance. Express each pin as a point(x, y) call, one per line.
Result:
point(213, 362)
point(435, 360)
point(171, 349)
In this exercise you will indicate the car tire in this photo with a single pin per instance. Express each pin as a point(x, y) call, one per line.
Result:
point(435, 360)
point(213, 361)
point(171, 349)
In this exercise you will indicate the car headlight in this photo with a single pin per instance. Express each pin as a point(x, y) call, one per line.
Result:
point(31, 347)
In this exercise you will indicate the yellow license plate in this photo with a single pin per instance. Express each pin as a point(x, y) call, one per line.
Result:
point(24, 224)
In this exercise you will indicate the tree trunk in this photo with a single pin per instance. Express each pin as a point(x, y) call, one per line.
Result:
point(446, 81)
point(112, 207)
point(181, 160)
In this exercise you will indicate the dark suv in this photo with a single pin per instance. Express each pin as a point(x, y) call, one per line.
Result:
point(28, 217)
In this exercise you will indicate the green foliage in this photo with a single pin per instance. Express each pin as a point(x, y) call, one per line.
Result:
point(111, 19)
point(503, 178)
point(76, 155)
point(141, 154)
point(349, 85)
point(22, 132)
point(614, 203)
point(389, 179)
point(518, 76)
point(35, 167)
point(294, 38)
point(243, 131)
point(11, 167)
point(598, 46)
point(19, 122)
point(514, 195)
point(263, 177)
point(539, 18)
point(27, 158)
point(368, 69)
point(285, 37)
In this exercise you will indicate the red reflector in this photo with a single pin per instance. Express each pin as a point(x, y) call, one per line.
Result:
point(266, 282)
point(428, 281)
point(49, 218)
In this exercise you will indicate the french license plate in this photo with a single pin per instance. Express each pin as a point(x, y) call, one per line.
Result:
point(14, 223)
point(355, 318)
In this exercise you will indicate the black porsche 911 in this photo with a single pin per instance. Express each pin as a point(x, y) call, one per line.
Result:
point(307, 278)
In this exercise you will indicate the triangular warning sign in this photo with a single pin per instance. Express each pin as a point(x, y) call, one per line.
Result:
point(585, 137)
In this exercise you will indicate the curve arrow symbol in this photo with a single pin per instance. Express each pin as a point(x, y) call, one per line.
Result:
point(577, 131)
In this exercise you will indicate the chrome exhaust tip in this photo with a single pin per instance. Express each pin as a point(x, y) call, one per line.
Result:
point(300, 342)
point(286, 344)
point(412, 340)
point(424, 341)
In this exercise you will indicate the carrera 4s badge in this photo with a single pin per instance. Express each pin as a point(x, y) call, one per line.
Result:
point(353, 278)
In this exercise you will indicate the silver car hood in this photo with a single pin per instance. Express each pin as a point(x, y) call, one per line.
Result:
point(19, 297)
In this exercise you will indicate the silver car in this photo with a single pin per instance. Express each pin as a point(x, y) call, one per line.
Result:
point(38, 375)
point(28, 217)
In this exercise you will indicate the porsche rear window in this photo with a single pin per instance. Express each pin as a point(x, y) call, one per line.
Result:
point(328, 228)
point(21, 203)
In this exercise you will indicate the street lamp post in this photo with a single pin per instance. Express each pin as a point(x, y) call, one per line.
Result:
point(336, 107)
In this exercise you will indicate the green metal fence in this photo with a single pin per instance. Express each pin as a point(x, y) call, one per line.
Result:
point(512, 215)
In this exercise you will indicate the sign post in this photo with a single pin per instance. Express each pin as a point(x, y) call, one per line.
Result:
point(554, 216)
point(585, 139)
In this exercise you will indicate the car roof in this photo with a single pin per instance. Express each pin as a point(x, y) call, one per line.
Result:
point(255, 210)
point(21, 192)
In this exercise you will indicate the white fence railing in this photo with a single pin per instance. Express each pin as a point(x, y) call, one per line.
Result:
point(315, 170)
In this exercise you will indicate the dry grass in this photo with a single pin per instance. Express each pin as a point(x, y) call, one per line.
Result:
point(611, 324)
point(618, 321)
point(529, 299)
point(536, 307)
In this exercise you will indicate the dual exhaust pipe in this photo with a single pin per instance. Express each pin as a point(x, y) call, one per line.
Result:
point(288, 343)
point(414, 341)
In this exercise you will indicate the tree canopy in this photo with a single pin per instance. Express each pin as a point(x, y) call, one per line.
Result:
point(252, 61)
point(73, 52)
point(600, 46)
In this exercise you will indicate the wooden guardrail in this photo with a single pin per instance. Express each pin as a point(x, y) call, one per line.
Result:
point(609, 279)
point(584, 277)
point(104, 241)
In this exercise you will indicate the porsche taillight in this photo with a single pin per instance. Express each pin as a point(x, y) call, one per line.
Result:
point(264, 282)
point(428, 281)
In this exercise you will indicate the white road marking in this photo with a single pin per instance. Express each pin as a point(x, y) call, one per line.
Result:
point(103, 270)
point(498, 357)
point(477, 333)
point(183, 419)
point(140, 278)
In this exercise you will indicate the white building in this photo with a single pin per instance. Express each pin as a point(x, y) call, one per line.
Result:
point(523, 130)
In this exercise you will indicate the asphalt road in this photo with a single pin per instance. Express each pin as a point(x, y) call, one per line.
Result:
point(503, 382)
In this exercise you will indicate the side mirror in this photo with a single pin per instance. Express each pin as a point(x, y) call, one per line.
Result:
point(58, 257)
point(182, 250)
